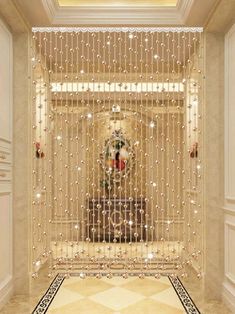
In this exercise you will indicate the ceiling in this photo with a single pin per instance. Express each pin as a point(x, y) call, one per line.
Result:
point(117, 3)
point(117, 12)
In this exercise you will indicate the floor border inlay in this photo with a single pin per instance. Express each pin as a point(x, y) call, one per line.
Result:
point(48, 297)
point(183, 295)
point(50, 294)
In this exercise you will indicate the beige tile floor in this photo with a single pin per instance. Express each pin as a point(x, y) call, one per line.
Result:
point(116, 295)
point(206, 306)
point(25, 303)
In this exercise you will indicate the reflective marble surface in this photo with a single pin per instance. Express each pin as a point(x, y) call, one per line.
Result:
point(116, 295)
point(25, 303)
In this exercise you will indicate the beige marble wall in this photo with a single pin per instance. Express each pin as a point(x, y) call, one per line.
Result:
point(214, 163)
point(21, 165)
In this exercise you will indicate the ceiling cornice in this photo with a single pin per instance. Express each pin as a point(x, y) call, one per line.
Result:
point(128, 15)
point(184, 7)
point(51, 7)
point(12, 17)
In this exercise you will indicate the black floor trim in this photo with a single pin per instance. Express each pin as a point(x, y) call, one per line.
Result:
point(48, 297)
point(184, 297)
point(179, 288)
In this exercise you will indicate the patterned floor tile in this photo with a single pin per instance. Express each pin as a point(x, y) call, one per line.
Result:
point(118, 281)
point(83, 306)
point(148, 306)
point(168, 297)
point(117, 298)
point(146, 287)
point(64, 297)
point(70, 280)
point(163, 279)
point(88, 286)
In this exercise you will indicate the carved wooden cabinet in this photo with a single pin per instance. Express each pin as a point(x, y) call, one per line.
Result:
point(116, 220)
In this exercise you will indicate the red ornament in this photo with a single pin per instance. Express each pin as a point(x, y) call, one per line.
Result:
point(39, 152)
point(120, 165)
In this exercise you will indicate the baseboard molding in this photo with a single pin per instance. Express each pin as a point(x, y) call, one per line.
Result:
point(229, 295)
point(6, 290)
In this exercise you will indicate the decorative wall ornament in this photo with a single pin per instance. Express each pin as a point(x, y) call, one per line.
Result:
point(39, 152)
point(117, 159)
point(194, 150)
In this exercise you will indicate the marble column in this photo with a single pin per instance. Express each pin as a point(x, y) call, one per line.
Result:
point(21, 163)
point(214, 164)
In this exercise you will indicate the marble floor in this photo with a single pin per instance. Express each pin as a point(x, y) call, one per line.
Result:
point(25, 303)
point(116, 295)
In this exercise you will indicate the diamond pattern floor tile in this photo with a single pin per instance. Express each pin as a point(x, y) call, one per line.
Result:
point(118, 281)
point(168, 297)
point(148, 306)
point(83, 306)
point(88, 286)
point(146, 286)
point(117, 298)
point(64, 297)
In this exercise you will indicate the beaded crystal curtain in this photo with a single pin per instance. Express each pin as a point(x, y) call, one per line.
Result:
point(117, 150)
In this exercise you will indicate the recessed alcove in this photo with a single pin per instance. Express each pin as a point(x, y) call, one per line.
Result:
point(117, 149)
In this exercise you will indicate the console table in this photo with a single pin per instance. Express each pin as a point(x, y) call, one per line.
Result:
point(116, 220)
